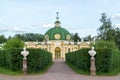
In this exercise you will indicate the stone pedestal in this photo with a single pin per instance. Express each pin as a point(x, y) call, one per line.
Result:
point(24, 69)
point(92, 67)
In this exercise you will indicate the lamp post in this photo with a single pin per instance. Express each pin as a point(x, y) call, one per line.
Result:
point(24, 53)
point(92, 53)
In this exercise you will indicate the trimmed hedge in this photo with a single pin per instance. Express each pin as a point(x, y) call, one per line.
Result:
point(11, 59)
point(103, 60)
point(79, 58)
point(106, 59)
point(115, 60)
point(38, 59)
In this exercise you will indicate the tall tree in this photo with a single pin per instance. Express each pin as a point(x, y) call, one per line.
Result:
point(2, 39)
point(87, 38)
point(106, 31)
point(76, 37)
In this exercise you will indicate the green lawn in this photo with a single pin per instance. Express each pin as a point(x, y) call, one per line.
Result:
point(9, 72)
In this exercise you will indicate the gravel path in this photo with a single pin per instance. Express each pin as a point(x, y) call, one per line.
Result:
point(59, 71)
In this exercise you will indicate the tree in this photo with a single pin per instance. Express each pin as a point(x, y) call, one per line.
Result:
point(76, 37)
point(105, 44)
point(20, 36)
point(29, 37)
point(2, 39)
point(88, 38)
point(106, 31)
point(117, 37)
point(13, 43)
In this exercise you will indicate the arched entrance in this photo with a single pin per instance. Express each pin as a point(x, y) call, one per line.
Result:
point(57, 53)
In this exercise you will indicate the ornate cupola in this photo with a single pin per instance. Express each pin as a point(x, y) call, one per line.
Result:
point(57, 32)
point(57, 22)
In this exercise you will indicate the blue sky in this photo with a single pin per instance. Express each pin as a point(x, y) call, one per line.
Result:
point(37, 16)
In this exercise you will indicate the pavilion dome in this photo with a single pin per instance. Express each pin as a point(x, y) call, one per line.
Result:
point(57, 33)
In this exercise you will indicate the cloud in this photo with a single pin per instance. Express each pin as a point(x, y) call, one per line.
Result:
point(13, 29)
point(117, 25)
point(17, 30)
point(84, 31)
point(116, 16)
point(47, 25)
point(3, 30)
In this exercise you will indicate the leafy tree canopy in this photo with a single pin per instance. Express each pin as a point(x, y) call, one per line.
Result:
point(106, 31)
point(76, 37)
point(105, 44)
point(2, 39)
point(29, 37)
point(13, 43)
point(88, 38)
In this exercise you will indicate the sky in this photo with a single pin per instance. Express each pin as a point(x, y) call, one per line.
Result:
point(38, 16)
